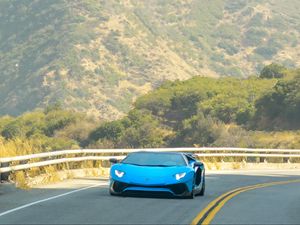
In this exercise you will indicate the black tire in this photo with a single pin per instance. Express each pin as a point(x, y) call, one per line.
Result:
point(201, 193)
point(192, 195)
point(112, 193)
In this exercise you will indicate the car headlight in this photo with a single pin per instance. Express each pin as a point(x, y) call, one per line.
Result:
point(179, 176)
point(119, 173)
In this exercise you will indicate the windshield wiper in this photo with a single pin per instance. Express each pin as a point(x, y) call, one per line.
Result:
point(135, 164)
point(160, 165)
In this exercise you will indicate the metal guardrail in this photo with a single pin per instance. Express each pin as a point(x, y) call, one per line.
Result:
point(46, 159)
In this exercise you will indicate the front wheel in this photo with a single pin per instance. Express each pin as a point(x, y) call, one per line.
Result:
point(112, 193)
point(201, 193)
point(192, 195)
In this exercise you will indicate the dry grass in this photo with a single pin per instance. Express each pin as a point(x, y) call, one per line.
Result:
point(56, 173)
point(15, 147)
point(213, 165)
point(21, 180)
point(236, 166)
point(52, 174)
point(282, 139)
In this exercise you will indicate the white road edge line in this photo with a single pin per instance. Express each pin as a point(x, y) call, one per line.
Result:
point(48, 199)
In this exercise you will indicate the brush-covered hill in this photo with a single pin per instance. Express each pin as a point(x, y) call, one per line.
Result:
point(98, 56)
point(258, 112)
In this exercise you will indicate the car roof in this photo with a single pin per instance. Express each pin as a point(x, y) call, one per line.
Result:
point(162, 153)
point(183, 154)
point(177, 153)
point(190, 154)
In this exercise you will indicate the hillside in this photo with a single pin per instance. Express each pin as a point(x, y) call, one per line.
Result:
point(254, 112)
point(98, 56)
point(257, 112)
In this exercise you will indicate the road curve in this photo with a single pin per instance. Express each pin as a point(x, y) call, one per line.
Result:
point(79, 201)
point(271, 205)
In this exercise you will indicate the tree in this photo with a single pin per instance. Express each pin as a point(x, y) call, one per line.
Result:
point(143, 130)
point(280, 108)
point(109, 131)
point(13, 130)
point(273, 71)
point(148, 135)
point(199, 130)
point(58, 119)
point(185, 103)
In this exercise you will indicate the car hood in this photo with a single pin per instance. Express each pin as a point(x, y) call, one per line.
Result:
point(151, 175)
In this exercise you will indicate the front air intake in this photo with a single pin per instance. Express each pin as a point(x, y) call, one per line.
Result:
point(177, 189)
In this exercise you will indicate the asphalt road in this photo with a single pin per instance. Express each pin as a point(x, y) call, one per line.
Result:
point(79, 201)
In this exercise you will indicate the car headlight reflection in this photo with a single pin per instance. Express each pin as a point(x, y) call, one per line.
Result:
point(119, 173)
point(179, 176)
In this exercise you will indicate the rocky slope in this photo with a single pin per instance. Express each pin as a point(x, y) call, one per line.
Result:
point(97, 56)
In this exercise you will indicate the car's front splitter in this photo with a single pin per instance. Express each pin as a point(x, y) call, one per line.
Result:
point(179, 189)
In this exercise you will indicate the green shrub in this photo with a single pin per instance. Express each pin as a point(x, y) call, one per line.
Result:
point(272, 71)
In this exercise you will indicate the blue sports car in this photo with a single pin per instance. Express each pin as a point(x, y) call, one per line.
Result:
point(178, 174)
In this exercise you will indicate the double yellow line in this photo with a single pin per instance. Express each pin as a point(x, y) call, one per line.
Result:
point(209, 212)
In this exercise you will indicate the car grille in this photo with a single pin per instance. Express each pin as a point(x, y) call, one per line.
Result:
point(177, 189)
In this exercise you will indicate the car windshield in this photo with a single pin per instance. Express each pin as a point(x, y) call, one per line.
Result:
point(155, 159)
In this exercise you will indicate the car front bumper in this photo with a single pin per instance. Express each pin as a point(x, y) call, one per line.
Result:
point(178, 189)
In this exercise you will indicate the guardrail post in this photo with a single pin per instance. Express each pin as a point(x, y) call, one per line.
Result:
point(286, 160)
point(68, 166)
point(4, 176)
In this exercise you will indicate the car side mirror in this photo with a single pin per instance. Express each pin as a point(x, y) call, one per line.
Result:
point(113, 160)
point(196, 164)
